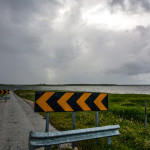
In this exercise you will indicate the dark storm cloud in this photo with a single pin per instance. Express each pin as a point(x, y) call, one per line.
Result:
point(99, 57)
point(49, 42)
point(137, 61)
point(21, 34)
point(19, 22)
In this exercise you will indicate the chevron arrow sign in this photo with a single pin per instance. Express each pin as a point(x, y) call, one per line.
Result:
point(70, 101)
point(4, 91)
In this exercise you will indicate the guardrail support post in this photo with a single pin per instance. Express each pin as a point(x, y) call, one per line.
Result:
point(145, 124)
point(109, 140)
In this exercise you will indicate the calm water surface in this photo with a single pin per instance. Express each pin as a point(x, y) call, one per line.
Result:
point(140, 89)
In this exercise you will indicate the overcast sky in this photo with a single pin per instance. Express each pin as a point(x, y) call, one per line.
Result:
point(74, 41)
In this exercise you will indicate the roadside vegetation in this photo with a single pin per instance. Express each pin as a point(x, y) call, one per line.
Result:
point(126, 110)
point(1, 95)
point(26, 94)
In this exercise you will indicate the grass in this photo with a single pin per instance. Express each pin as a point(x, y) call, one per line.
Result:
point(127, 110)
point(26, 94)
point(1, 95)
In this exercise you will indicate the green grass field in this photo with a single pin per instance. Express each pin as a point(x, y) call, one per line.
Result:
point(126, 110)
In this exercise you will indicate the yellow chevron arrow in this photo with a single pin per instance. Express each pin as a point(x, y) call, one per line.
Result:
point(63, 102)
point(2, 91)
point(42, 101)
point(81, 101)
point(6, 91)
point(99, 100)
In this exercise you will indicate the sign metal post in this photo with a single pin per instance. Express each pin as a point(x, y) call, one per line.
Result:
point(73, 126)
point(96, 116)
point(47, 127)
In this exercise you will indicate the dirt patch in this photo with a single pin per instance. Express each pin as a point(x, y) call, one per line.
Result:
point(31, 103)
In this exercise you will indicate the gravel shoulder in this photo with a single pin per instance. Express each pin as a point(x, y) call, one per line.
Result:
point(17, 119)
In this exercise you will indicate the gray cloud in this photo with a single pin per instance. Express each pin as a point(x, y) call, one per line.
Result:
point(136, 62)
point(130, 5)
point(40, 45)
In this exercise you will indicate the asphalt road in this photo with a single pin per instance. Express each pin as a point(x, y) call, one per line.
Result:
point(17, 119)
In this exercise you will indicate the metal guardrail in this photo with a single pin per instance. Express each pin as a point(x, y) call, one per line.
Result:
point(41, 139)
point(5, 97)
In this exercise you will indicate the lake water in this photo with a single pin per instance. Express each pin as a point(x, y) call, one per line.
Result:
point(140, 89)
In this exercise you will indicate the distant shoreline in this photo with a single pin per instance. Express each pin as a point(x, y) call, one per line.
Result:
point(74, 84)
